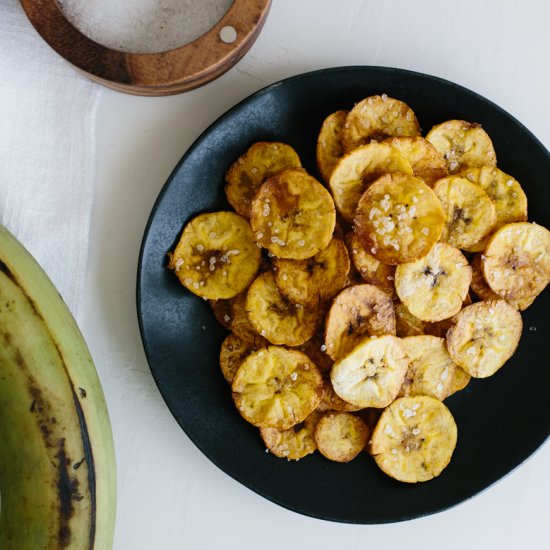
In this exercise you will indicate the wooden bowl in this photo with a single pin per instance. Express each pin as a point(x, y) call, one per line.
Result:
point(153, 74)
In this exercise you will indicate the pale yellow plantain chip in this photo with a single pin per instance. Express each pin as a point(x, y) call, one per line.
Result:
point(516, 262)
point(431, 369)
point(484, 336)
point(316, 279)
point(232, 353)
point(470, 213)
point(329, 143)
point(459, 381)
point(233, 316)
point(463, 145)
point(293, 443)
point(371, 270)
point(414, 439)
point(434, 287)
point(276, 318)
point(427, 162)
point(372, 373)
point(358, 311)
point(277, 388)
point(376, 118)
point(341, 436)
point(399, 219)
point(505, 193)
point(261, 161)
point(357, 170)
point(216, 256)
point(293, 215)
point(483, 291)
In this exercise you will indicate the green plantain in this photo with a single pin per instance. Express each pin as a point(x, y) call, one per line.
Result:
point(57, 466)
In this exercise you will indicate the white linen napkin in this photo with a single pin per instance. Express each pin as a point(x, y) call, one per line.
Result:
point(47, 152)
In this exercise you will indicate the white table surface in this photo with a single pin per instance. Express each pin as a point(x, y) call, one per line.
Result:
point(170, 496)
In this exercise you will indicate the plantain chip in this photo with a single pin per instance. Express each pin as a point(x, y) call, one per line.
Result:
point(431, 370)
point(483, 291)
point(293, 443)
point(341, 436)
point(216, 256)
point(232, 353)
point(333, 402)
point(293, 215)
point(399, 219)
point(471, 215)
point(484, 336)
point(414, 439)
point(371, 270)
point(372, 373)
point(427, 162)
point(329, 143)
point(463, 145)
point(260, 161)
point(434, 287)
point(277, 388)
point(505, 192)
point(274, 317)
point(376, 118)
point(358, 311)
point(516, 262)
point(316, 279)
point(355, 171)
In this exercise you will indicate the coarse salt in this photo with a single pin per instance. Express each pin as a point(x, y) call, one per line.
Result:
point(144, 26)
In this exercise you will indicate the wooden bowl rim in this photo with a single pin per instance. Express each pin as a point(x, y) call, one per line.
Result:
point(164, 73)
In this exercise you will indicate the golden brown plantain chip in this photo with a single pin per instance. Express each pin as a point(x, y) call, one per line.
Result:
point(459, 381)
point(505, 193)
point(274, 317)
point(355, 171)
point(406, 324)
point(376, 118)
point(316, 279)
point(329, 143)
point(216, 256)
point(261, 161)
point(427, 162)
point(341, 436)
point(371, 270)
point(232, 354)
point(470, 213)
point(293, 215)
point(233, 316)
point(358, 311)
point(277, 388)
point(399, 219)
point(293, 443)
point(463, 145)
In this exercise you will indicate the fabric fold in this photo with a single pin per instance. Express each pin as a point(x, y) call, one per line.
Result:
point(47, 152)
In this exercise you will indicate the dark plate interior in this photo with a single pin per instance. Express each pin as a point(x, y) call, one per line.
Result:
point(501, 420)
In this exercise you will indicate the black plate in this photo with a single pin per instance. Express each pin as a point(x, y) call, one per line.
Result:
point(501, 420)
